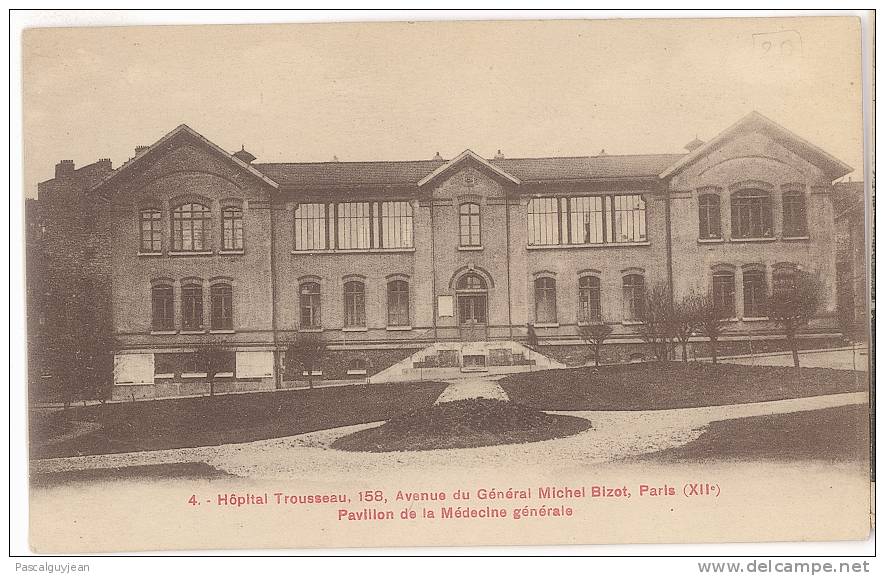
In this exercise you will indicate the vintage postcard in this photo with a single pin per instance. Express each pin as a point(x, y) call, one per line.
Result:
point(296, 286)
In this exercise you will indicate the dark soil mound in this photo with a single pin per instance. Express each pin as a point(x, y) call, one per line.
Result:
point(463, 424)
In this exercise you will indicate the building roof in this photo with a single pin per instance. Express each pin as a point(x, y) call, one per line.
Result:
point(183, 131)
point(412, 172)
point(756, 122)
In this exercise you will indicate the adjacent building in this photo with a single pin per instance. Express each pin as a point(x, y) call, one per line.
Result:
point(436, 264)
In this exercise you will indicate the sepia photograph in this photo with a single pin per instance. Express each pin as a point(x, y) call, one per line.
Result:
point(492, 282)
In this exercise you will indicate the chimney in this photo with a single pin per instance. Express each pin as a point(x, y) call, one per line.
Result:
point(437, 157)
point(499, 155)
point(64, 168)
point(104, 164)
point(243, 155)
point(139, 150)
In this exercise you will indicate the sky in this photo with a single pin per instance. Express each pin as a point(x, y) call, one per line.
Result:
point(404, 91)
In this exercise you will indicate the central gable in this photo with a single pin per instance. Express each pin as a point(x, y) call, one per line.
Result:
point(468, 158)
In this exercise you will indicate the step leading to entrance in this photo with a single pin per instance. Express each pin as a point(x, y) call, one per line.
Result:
point(447, 360)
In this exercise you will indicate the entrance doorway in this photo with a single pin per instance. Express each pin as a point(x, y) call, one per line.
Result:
point(472, 293)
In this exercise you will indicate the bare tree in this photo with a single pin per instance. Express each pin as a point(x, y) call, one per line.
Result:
point(684, 320)
point(595, 334)
point(656, 316)
point(711, 321)
point(211, 358)
point(793, 302)
point(305, 352)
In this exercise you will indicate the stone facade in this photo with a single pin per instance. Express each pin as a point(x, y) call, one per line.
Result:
point(496, 274)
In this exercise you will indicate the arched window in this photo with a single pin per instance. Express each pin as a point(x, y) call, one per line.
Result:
point(723, 292)
point(470, 224)
point(398, 303)
point(222, 307)
point(151, 235)
point(232, 228)
point(354, 304)
point(634, 297)
point(471, 282)
point(192, 307)
point(191, 228)
point(545, 300)
point(589, 299)
point(708, 217)
point(794, 214)
point(310, 305)
point(751, 214)
point(755, 294)
point(162, 311)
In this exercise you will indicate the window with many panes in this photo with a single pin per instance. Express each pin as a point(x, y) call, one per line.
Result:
point(162, 310)
point(723, 292)
point(232, 228)
point(310, 227)
point(353, 224)
point(469, 224)
point(151, 233)
point(589, 299)
point(398, 303)
point(619, 218)
point(794, 214)
point(192, 307)
point(191, 228)
point(751, 214)
point(222, 307)
point(634, 297)
point(354, 304)
point(545, 300)
point(396, 225)
point(309, 294)
point(755, 294)
point(709, 226)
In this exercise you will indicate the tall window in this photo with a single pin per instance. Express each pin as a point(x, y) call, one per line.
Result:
point(232, 228)
point(784, 278)
point(191, 228)
point(545, 300)
point(354, 225)
point(543, 221)
point(587, 220)
point(162, 313)
point(589, 299)
point(151, 236)
point(192, 307)
point(469, 224)
point(398, 303)
point(310, 305)
point(629, 218)
point(708, 217)
point(310, 227)
point(723, 292)
point(755, 292)
point(794, 214)
point(222, 307)
point(751, 214)
point(634, 297)
point(396, 225)
point(354, 304)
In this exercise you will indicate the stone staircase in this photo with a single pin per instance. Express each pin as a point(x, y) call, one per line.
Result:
point(448, 360)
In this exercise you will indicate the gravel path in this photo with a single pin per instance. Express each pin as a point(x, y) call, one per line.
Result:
point(614, 435)
point(467, 388)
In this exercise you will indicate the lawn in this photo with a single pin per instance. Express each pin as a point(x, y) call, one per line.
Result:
point(664, 385)
point(463, 424)
point(210, 421)
point(840, 434)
